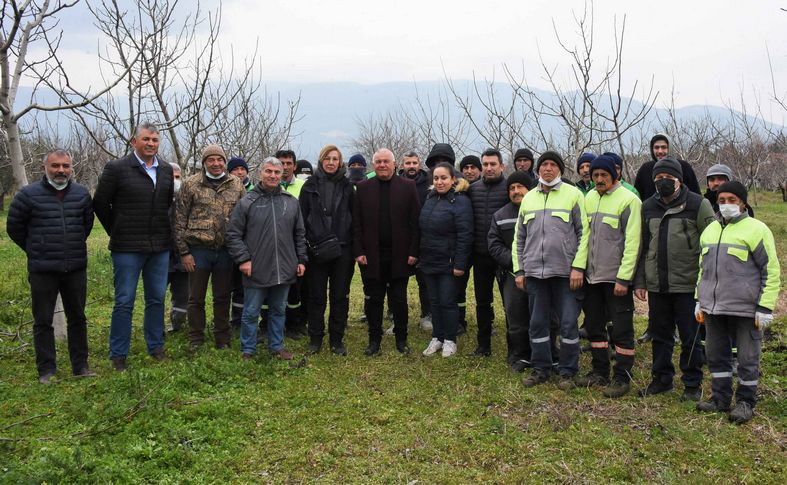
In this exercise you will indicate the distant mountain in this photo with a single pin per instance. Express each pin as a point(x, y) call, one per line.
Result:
point(330, 111)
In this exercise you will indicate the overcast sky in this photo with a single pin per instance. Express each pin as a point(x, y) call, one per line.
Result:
point(709, 50)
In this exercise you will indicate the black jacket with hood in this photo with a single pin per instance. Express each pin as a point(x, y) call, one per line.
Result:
point(644, 179)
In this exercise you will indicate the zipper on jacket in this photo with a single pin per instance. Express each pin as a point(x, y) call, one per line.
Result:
point(543, 232)
point(716, 269)
point(686, 232)
point(275, 240)
point(63, 222)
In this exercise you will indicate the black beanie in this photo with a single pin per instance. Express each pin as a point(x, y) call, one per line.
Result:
point(606, 163)
point(735, 187)
point(586, 157)
point(304, 167)
point(521, 177)
point(440, 151)
point(555, 157)
point(668, 165)
point(470, 160)
point(523, 153)
point(236, 162)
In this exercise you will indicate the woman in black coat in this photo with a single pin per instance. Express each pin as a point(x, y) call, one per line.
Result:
point(326, 204)
point(446, 224)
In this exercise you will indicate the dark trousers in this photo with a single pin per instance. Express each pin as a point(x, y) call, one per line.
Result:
point(375, 290)
point(214, 265)
point(442, 300)
point(178, 298)
point(44, 287)
point(517, 309)
point(722, 332)
point(295, 321)
point(484, 275)
point(547, 296)
point(237, 297)
point(423, 293)
point(600, 304)
point(665, 311)
point(461, 294)
point(339, 274)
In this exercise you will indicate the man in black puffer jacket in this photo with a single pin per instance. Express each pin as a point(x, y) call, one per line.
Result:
point(132, 202)
point(487, 195)
point(50, 220)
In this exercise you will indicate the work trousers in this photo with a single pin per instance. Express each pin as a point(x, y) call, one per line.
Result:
point(600, 303)
point(214, 265)
point(548, 296)
point(722, 331)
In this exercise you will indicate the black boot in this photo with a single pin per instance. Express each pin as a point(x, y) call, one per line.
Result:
point(373, 348)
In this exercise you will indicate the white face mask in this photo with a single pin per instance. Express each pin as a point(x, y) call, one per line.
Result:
point(729, 211)
point(549, 184)
point(215, 177)
point(56, 185)
point(178, 183)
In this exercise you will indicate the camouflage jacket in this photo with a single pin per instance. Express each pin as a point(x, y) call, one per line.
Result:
point(202, 213)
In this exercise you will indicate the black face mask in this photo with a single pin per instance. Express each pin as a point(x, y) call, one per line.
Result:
point(665, 187)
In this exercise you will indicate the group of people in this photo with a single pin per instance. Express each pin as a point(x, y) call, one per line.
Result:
point(288, 245)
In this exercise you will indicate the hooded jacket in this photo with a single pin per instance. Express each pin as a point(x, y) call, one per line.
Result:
point(266, 228)
point(615, 232)
point(446, 223)
point(439, 150)
point(51, 231)
point(739, 268)
point(551, 233)
point(670, 242)
point(133, 210)
point(487, 196)
point(202, 212)
point(643, 182)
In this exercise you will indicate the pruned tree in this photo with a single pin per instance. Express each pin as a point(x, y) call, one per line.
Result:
point(24, 25)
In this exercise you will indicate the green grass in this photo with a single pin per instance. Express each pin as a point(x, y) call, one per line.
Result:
point(215, 418)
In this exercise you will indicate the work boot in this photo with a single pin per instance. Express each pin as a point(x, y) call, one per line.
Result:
point(566, 382)
point(645, 338)
point(655, 387)
point(315, 344)
point(618, 388)
point(119, 363)
point(338, 348)
point(481, 352)
point(520, 365)
point(159, 354)
point(691, 394)
point(47, 378)
point(372, 349)
point(402, 347)
point(282, 355)
point(743, 412)
point(85, 372)
point(535, 378)
point(592, 379)
point(712, 406)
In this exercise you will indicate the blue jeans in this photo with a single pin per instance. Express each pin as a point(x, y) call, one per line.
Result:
point(253, 298)
point(442, 300)
point(126, 268)
point(547, 296)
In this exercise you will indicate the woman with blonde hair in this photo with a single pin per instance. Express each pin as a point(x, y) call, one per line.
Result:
point(326, 203)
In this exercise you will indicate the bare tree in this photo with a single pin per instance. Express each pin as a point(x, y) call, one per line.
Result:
point(23, 25)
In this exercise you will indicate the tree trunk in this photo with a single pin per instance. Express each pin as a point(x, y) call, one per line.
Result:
point(59, 320)
point(15, 151)
point(783, 186)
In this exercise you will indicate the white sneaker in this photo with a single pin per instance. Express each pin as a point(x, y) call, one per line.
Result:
point(426, 323)
point(390, 330)
point(449, 348)
point(433, 347)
